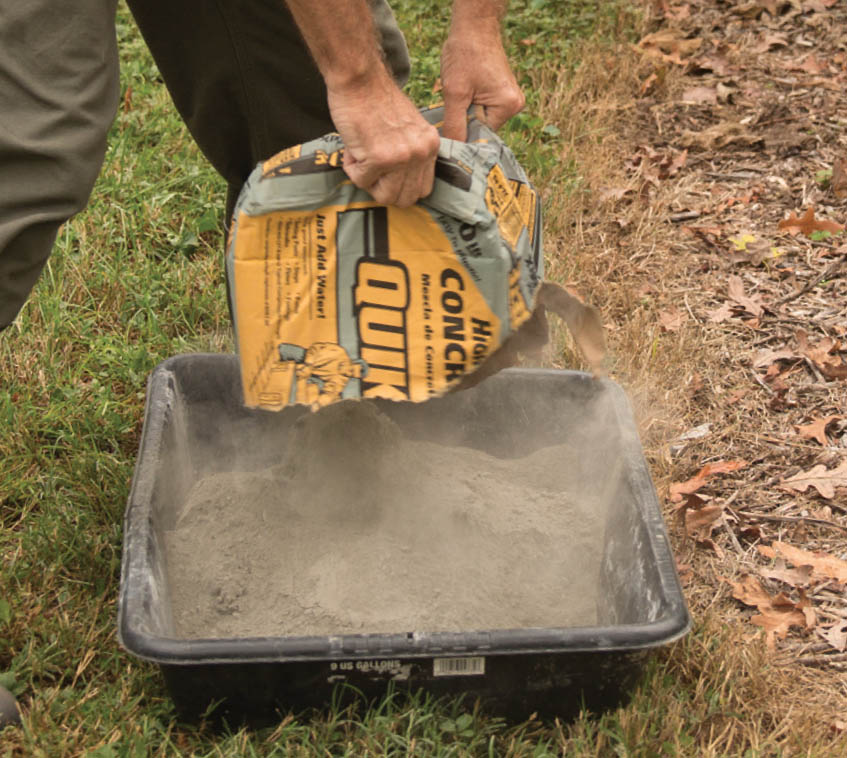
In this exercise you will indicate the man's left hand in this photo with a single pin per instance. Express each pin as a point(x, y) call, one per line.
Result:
point(475, 71)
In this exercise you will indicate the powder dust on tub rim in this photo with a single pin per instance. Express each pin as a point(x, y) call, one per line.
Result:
point(362, 530)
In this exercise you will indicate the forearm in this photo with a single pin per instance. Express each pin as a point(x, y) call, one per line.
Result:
point(474, 68)
point(342, 38)
point(478, 15)
point(389, 148)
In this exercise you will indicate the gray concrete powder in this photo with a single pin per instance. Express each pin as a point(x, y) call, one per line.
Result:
point(360, 530)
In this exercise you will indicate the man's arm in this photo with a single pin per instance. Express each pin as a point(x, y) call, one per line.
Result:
point(475, 70)
point(390, 149)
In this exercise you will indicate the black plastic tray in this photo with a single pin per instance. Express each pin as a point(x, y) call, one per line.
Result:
point(515, 672)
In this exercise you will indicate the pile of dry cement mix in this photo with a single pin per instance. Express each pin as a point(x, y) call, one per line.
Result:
point(360, 530)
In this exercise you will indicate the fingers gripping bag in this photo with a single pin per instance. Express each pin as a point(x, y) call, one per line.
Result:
point(335, 296)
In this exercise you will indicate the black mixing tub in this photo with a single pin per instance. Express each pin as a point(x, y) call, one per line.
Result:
point(513, 672)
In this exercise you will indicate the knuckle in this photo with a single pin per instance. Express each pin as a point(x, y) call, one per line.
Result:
point(514, 100)
point(381, 195)
point(456, 92)
point(519, 101)
point(403, 154)
point(382, 157)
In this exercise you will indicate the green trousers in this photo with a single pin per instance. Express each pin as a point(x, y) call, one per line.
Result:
point(238, 71)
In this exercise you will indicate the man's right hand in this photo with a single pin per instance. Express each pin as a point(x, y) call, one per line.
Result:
point(389, 148)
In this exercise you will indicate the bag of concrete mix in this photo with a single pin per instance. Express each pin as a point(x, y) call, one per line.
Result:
point(335, 296)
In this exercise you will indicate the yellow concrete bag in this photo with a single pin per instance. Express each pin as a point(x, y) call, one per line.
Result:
point(334, 296)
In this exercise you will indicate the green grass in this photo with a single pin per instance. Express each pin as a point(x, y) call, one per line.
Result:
point(134, 279)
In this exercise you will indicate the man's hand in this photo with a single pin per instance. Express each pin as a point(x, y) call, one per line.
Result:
point(389, 148)
point(475, 70)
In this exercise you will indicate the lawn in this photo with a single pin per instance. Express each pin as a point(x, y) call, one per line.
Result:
point(138, 277)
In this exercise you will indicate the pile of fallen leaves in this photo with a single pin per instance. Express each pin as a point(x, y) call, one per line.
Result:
point(743, 109)
point(711, 234)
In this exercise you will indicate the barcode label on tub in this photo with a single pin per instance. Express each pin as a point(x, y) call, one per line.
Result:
point(473, 666)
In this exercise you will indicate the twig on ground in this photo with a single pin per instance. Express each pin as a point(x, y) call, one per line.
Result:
point(752, 174)
point(822, 660)
point(732, 538)
point(806, 648)
point(833, 614)
point(688, 307)
point(807, 519)
point(684, 216)
point(813, 368)
point(827, 274)
point(762, 382)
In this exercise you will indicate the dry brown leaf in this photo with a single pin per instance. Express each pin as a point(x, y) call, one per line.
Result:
point(823, 565)
point(796, 577)
point(736, 395)
point(777, 622)
point(699, 95)
point(835, 635)
point(752, 9)
point(720, 314)
point(776, 614)
point(807, 224)
point(769, 357)
point(823, 354)
point(831, 371)
point(684, 571)
point(678, 12)
point(672, 319)
point(717, 63)
point(753, 305)
point(823, 480)
point(700, 522)
point(817, 429)
point(712, 545)
point(809, 612)
point(678, 489)
point(750, 592)
point(770, 41)
point(658, 164)
point(677, 162)
point(812, 65)
point(839, 178)
point(720, 135)
point(703, 231)
point(668, 45)
point(613, 193)
point(819, 6)
point(648, 83)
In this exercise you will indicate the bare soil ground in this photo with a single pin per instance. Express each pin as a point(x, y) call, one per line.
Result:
point(709, 231)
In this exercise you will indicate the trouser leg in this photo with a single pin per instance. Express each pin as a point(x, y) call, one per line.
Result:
point(59, 88)
point(9, 712)
point(242, 78)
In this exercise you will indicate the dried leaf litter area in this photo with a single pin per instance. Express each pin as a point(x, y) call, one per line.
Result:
point(739, 151)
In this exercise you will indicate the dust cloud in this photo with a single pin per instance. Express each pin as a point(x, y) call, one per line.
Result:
point(362, 528)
